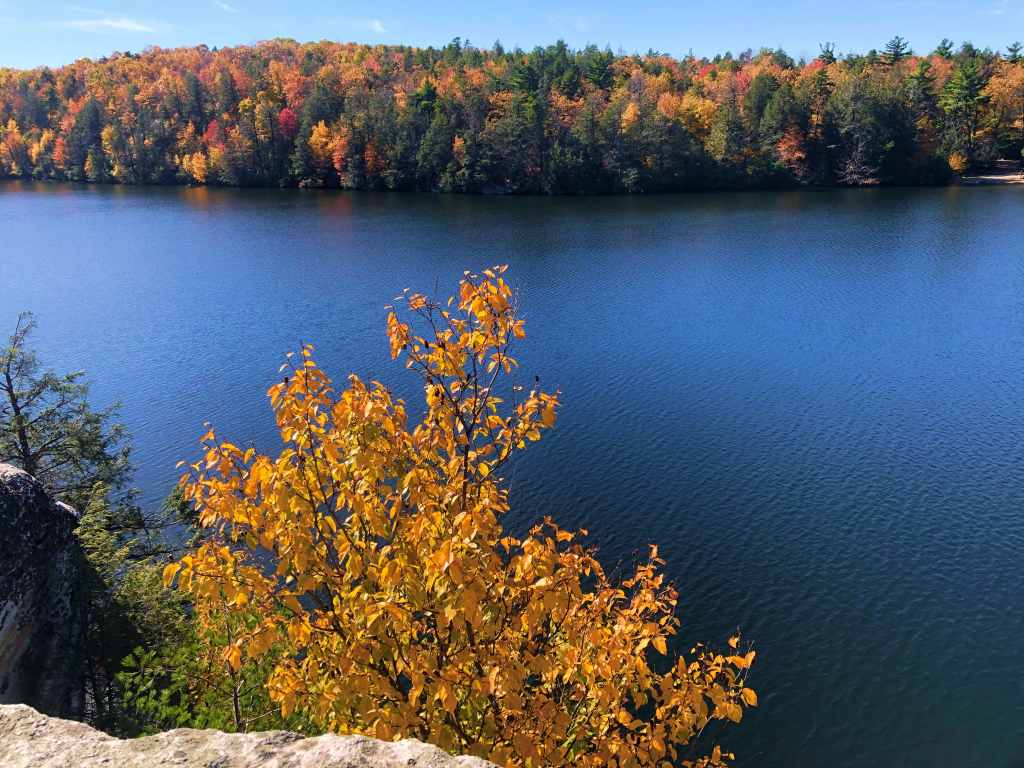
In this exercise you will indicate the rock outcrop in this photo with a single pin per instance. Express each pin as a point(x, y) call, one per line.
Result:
point(42, 612)
point(32, 740)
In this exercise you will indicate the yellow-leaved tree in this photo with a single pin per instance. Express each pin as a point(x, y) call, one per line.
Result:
point(369, 554)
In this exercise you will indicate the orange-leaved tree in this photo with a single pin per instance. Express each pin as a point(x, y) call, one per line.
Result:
point(372, 551)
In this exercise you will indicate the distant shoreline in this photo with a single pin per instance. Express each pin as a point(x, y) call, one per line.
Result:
point(1001, 172)
point(993, 179)
point(984, 179)
point(551, 121)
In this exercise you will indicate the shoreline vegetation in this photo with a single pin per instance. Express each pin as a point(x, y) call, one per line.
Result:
point(999, 173)
point(491, 121)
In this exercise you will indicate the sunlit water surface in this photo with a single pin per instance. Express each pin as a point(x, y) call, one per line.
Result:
point(814, 402)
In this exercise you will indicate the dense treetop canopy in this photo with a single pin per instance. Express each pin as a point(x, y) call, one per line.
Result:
point(552, 120)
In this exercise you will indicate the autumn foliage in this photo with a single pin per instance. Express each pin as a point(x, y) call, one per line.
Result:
point(552, 120)
point(368, 558)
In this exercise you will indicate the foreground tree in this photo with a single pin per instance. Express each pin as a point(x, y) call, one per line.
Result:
point(48, 428)
point(370, 559)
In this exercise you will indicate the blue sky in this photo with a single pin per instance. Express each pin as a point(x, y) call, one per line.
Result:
point(47, 32)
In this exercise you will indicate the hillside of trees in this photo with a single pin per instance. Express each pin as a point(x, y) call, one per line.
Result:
point(552, 121)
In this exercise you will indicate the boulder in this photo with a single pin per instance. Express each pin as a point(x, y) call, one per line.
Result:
point(42, 607)
point(32, 740)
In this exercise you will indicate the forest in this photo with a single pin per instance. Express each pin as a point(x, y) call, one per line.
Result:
point(549, 121)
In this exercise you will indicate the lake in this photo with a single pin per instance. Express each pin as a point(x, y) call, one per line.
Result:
point(812, 401)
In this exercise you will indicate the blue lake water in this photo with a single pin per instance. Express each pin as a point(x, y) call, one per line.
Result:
point(812, 401)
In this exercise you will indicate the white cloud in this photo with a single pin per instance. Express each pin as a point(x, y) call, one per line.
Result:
point(375, 26)
point(226, 7)
point(109, 24)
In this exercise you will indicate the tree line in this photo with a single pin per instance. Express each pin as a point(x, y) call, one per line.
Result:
point(553, 120)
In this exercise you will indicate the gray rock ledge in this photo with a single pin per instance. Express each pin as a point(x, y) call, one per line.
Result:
point(42, 609)
point(32, 740)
